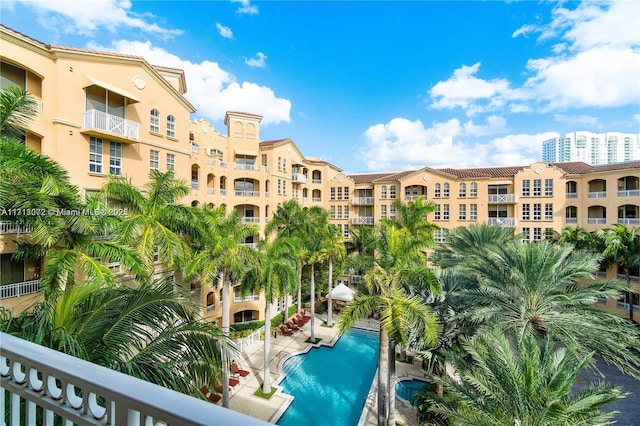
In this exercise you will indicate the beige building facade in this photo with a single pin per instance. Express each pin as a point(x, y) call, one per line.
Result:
point(103, 113)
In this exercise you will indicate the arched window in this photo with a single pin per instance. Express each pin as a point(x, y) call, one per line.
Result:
point(436, 190)
point(383, 192)
point(154, 120)
point(473, 190)
point(462, 190)
point(392, 192)
point(171, 126)
point(279, 164)
point(445, 190)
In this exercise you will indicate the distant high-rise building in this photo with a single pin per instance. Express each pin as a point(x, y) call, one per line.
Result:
point(592, 148)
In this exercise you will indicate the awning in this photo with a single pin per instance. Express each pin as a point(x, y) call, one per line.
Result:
point(110, 87)
point(246, 152)
point(342, 292)
point(500, 182)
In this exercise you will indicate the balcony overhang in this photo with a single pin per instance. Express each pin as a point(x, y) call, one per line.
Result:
point(108, 136)
point(110, 87)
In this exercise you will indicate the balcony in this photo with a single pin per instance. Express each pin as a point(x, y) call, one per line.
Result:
point(316, 181)
point(597, 194)
point(240, 166)
point(223, 191)
point(8, 291)
point(316, 199)
point(252, 245)
point(362, 220)
point(249, 298)
point(571, 195)
point(362, 201)
point(100, 124)
point(412, 197)
point(50, 382)
point(571, 220)
point(195, 184)
point(502, 221)
point(299, 177)
point(250, 219)
point(597, 221)
point(8, 227)
point(502, 198)
point(628, 221)
point(629, 193)
point(243, 193)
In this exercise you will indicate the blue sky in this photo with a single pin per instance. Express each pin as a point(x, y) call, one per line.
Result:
point(380, 86)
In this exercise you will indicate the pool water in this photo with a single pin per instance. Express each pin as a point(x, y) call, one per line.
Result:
point(330, 385)
point(406, 389)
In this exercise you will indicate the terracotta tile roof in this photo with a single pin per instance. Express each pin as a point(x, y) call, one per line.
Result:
point(33, 40)
point(273, 142)
point(580, 168)
point(395, 175)
point(368, 177)
point(617, 166)
point(485, 172)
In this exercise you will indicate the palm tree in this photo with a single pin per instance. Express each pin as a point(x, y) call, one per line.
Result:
point(549, 291)
point(276, 269)
point(513, 380)
point(17, 111)
point(578, 237)
point(622, 246)
point(155, 224)
point(223, 257)
point(400, 315)
point(149, 332)
point(413, 217)
point(289, 221)
point(336, 251)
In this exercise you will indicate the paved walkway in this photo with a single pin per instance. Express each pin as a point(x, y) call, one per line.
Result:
point(243, 400)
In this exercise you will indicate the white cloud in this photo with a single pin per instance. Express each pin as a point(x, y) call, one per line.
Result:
point(495, 124)
point(246, 8)
point(85, 18)
point(211, 89)
point(576, 119)
point(636, 117)
point(224, 31)
point(595, 63)
point(517, 149)
point(260, 61)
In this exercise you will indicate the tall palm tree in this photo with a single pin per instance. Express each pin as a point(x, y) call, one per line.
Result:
point(223, 257)
point(276, 269)
point(289, 221)
point(17, 111)
point(578, 237)
point(400, 315)
point(149, 332)
point(548, 290)
point(336, 251)
point(622, 247)
point(154, 222)
point(513, 380)
point(413, 217)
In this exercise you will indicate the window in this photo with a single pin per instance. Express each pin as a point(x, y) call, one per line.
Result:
point(473, 212)
point(392, 212)
point(548, 211)
point(95, 155)
point(383, 192)
point(171, 162)
point(332, 193)
point(436, 191)
point(284, 187)
point(392, 192)
point(12, 76)
point(537, 187)
point(339, 215)
point(346, 192)
point(346, 231)
point(339, 193)
point(346, 211)
point(537, 211)
point(526, 188)
point(332, 212)
point(279, 164)
point(549, 233)
point(462, 190)
point(383, 211)
point(115, 158)
point(436, 213)
point(279, 187)
point(526, 235)
point(154, 121)
point(263, 160)
point(526, 212)
point(154, 160)
point(473, 190)
point(537, 234)
point(445, 190)
point(284, 165)
point(548, 187)
point(462, 212)
point(445, 212)
point(171, 126)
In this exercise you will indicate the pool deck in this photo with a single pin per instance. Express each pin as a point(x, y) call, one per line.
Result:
point(243, 400)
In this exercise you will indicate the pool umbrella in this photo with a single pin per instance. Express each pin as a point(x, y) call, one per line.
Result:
point(342, 292)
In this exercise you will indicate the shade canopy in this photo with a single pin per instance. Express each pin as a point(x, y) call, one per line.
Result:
point(342, 292)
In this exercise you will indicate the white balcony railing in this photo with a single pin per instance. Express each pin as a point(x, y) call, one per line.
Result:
point(629, 193)
point(240, 166)
point(597, 221)
point(362, 201)
point(316, 199)
point(412, 197)
point(598, 194)
point(247, 219)
point(628, 221)
point(109, 123)
point(316, 181)
point(362, 221)
point(248, 298)
point(8, 227)
point(252, 245)
point(195, 184)
point(299, 177)
point(248, 342)
point(502, 221)
point(242, 193)
point(8, 291)
point(571, 195)
point(571, 220)
point(223, 192)
point(503, 198)
point(79, 392)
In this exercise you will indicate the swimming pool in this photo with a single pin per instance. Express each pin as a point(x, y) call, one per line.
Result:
point(406, 389)
point(330, 385)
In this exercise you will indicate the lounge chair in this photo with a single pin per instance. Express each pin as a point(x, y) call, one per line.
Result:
point(285, 331)
point(238, 371)
point(205, 391)
point(292, 327)
point(233, 382)
point(214, 397)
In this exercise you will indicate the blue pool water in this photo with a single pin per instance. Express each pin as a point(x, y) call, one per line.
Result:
point(406, 389)
point(330, 385)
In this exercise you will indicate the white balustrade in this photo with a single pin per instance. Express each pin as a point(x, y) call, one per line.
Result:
point(109, 123)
